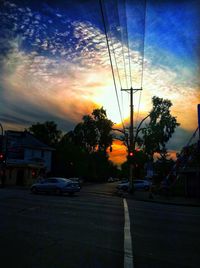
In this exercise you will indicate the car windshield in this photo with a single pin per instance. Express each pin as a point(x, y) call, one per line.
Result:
point(51, 180)
point(55, 179)
point(63, 180)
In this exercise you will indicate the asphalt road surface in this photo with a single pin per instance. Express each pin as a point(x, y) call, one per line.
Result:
point(165, 235)
point(87, 230)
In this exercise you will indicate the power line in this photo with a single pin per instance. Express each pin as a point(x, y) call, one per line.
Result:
point(192, 137)
point(123, 55)
point(116, 27)
point(122, 48)
point(124, 61)
point(143, 42)
point(113, 50)
point(125, 40)
point(128, 48)
point(105, 30)
point(115, 11)
point(143, 49)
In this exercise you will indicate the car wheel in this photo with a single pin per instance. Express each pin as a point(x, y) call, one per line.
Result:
point(146, 188)
point(34, 190)
point(72, 193)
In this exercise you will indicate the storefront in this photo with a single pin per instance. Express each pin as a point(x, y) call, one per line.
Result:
point(22, 174)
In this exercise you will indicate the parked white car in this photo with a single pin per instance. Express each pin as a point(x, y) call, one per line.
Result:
point(123, 185)
point(137, 184)
point(56, 185)
point(142, 184)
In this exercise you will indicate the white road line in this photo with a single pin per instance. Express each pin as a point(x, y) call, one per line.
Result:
point(128, 253)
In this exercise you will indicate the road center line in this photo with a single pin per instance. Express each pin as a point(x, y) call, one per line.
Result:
point(128, 253)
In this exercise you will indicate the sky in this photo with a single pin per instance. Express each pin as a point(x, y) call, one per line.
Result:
point(54, 62)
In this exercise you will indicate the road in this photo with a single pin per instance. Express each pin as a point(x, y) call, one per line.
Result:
point(164, 236)
point(87, 230)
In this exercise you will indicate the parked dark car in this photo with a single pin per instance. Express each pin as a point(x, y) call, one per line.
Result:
point(56, 185)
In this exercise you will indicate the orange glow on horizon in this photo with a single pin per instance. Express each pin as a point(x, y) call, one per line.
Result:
point(119, 152)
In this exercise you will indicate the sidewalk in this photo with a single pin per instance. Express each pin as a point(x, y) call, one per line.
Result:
point(173, 200)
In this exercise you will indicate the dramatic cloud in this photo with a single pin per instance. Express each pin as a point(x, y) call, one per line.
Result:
point(55, 66)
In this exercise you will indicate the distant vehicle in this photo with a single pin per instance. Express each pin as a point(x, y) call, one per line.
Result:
point(112, 179)
point(142, 184)
point(137, 184)
point(56, 185)
point(123, 185)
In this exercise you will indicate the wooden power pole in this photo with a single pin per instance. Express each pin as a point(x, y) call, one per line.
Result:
point(131, 144)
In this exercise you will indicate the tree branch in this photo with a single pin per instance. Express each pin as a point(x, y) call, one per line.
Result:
point(122, 131)
point(138, 128)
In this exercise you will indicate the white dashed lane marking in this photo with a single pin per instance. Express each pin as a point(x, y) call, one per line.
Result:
point(128, 253)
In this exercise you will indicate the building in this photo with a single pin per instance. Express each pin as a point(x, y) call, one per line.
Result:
point(26, 158)
point(188, 171)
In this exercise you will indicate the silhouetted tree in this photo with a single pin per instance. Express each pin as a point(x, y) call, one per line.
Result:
point(104, 128)
point(71, 160)
point(159, 129)
point(94, 133)
point(46, 132)
point(86, 147)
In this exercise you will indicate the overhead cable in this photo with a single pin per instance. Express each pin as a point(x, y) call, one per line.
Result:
point(129, 58)
point(143, 42)
point(143, 49)
point(118, 74)
point(122, 46)
point(113, 75)
point(117, 29)
point(126, 40)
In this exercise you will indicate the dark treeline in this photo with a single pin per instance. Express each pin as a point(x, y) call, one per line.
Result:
point(83, 152)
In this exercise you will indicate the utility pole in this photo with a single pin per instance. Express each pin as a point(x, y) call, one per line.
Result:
point(131, 144)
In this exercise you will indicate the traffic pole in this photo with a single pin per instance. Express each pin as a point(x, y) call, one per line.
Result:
point(131, 144)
